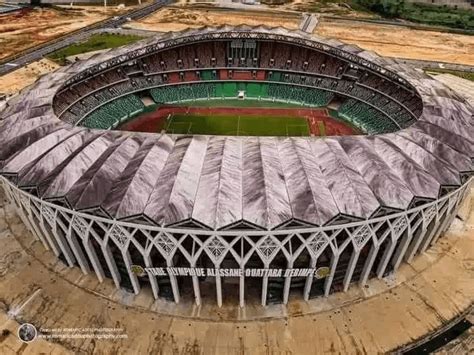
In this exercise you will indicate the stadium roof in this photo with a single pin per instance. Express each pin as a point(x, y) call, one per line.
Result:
point(219, 181)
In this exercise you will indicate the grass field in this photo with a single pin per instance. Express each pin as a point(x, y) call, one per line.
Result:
point(427, 14)
point(237, 125)
point(94, 43)
point(462, 74)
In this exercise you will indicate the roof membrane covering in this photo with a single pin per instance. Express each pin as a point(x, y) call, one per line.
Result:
point(218, 182)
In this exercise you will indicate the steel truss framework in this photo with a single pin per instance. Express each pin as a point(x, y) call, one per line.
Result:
point(392, 238)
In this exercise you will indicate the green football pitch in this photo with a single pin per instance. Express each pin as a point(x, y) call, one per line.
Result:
point(247, 125)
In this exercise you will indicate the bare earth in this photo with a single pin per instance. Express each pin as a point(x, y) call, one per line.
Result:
point(28, 28)
point(176, 19)
point(18, 32)
point(27, 75)
point(325, 7)
point(402, 42)
point(392, 41)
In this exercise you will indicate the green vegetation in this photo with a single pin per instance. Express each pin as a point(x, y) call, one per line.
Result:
point(462, 74)
point(334, 7)
point(385, 8)
point(428, 14)
point(247, 125)
point(94, 43)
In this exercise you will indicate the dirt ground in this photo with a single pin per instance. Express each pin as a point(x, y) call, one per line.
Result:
point(18, 79)
point(176, 19)
point(325, 7)
point(392, 41)
point(30, 27)
point(21, 30)
point(399, 41)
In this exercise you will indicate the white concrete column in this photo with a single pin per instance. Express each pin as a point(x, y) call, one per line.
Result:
point(332, 271)
point(25, 216)
point(174, 283)
point(133, 278)
point(197, 290)
point(350, 269)
point(387, 254)
point(309, 280)
point(218, 287)
point(369, 263)
point(443, 227)
point(63, 245)
point(112, 265)
point(415, 243)
point(265, 287)
point(443, 216)
point(52, 242)
point(423, 237)
point(450, 215)
point(402, 248)
point(93, 259)
point(242, 287)
point(286, 287)
point(36, 231)
point(153, 282)
point(81, 259)
point(264, 290)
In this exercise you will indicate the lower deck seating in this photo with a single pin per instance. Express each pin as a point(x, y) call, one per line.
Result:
point(366, 117)
point(183, 92)
point(358, 113)
point(112, 113)
point(304, 95)
point(283, 92)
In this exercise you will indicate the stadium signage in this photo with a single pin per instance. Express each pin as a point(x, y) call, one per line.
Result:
point(319, 273)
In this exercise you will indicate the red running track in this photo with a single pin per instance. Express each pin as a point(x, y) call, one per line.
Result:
point(318, 119)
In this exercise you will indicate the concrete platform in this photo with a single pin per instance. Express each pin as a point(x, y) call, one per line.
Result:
point(385, 316)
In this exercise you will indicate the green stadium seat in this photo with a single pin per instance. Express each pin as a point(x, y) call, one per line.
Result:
point(309, 96)
point(114, 112)
point(366, 117)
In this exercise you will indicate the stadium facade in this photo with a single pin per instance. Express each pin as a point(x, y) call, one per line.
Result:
point(247, 217)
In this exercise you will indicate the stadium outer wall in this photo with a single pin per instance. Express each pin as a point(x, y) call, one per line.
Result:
point(68, 232)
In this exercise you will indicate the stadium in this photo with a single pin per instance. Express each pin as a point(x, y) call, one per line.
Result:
point(241, 164)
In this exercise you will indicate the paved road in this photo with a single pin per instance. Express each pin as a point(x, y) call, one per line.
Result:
point(36, 53)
